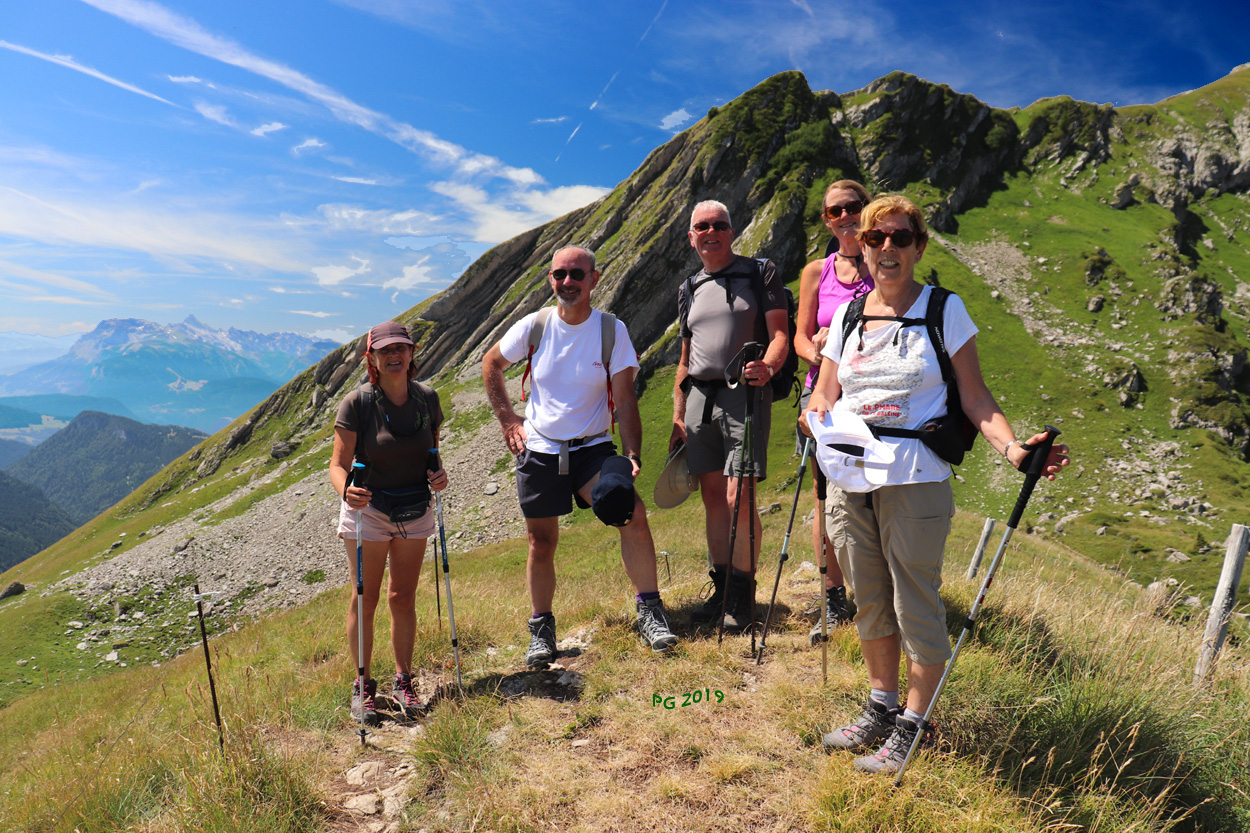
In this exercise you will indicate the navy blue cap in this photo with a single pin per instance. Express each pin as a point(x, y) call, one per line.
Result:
point(612, 497)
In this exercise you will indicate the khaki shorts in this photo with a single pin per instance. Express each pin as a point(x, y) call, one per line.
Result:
point(715, 446)
point(378, 527)
point(890, 545)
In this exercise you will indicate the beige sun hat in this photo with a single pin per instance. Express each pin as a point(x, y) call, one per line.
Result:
point(676, 483)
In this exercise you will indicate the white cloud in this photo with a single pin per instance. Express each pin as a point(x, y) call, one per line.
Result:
point(184, 79)
point(156, 229)
point(312, 313)
point(69, 63)
point(331, 275)
point(556, 120)
point(214, 112)
point(356, 180)
point(307, 144)
point(271, 127)
point(499, 217)
point(675, 119)
point(416, 275)
point(402, 223)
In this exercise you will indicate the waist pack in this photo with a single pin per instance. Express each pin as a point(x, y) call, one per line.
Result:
point(402, 505)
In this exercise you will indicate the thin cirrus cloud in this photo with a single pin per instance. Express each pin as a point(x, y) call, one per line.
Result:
point(306, 145)
point(188, 34)
point(312, 313)
point(266, 129)
point(214, 112)
point(69, 63)
point(332, 275)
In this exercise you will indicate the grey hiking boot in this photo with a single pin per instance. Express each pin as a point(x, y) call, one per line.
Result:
point(364, 705)
point(653, 626)
point(739, 609)
point(542, 648)
point(708, 611)
point(404, 696)
point(889, 758)
point(839, 613)
point(874, 725)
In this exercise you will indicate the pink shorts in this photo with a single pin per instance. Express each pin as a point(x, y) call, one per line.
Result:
point(378, 527)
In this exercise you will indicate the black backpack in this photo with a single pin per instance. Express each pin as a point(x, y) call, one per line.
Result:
point(786, 379)
point(952, 434)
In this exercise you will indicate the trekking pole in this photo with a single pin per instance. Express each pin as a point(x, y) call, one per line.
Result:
point(1033, 465)
point(749, 430)
point(451, 614)
point(733, 376)
point(785, 547)
point(357, 474)
point(821, 492)
point(438, 602)
point(208, 663)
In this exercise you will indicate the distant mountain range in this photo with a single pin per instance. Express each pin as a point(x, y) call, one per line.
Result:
point(183, 374)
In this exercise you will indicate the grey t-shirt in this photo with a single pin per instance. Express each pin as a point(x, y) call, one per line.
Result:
point(725, 313)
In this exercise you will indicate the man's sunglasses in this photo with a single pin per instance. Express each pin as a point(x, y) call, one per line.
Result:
point(575, 274)
point(875, 238)
point(719, 225)
point(833, 212)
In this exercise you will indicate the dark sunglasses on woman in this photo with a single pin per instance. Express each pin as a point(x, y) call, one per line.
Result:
point(833, 212)
point(874, 238)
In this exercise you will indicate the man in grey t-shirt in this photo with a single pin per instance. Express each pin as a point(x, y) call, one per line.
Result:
point(735, 300)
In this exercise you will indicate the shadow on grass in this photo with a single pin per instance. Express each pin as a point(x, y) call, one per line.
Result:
point(1068, 733)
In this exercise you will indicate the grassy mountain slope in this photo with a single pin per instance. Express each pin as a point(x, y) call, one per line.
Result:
point(99, 458)
point(29, 522)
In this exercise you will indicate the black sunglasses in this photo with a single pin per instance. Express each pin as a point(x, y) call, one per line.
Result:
point(833, 212)
point(575, 274)
point(719, 225)
point(874, 238)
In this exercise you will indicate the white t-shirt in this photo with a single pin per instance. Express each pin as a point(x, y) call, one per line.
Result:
point(568, 386)
point(895, 380)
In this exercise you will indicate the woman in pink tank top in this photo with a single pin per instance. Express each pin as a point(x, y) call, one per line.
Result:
point(825, 285)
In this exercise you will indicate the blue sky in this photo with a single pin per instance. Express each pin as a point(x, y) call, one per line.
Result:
point(320, 165)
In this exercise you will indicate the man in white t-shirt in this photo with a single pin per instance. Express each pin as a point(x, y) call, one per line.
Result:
point(564, 443)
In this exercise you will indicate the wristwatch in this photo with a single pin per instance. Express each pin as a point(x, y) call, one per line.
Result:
point(1008, 446)
point(636, 459)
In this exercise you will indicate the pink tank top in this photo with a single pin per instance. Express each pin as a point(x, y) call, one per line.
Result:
point(831, 294)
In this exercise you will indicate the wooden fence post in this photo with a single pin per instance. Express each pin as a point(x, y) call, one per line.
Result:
point(1222, 604)
point(980, 552)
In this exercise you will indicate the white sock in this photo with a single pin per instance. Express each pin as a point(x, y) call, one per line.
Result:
point(889, 699)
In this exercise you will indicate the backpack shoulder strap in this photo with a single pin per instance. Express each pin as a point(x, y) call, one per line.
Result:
point(364, 407)
point(854, 315)
point(933, 321)
point(536, 337)
point(607, 339)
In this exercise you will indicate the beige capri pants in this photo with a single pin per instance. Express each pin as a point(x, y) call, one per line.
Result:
point(890, 545)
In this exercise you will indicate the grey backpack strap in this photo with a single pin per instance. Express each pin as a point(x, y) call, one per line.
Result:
point(536, 337)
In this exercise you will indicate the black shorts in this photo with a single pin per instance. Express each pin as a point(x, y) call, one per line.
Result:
point(544, 492)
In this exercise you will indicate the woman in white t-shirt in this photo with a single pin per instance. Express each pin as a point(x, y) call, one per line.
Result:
point(887, 373)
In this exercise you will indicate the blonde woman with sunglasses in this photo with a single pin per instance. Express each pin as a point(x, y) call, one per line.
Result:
point(887, 373)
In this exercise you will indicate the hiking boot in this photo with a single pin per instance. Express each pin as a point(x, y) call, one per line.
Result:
point(364, 705)
point(403, 695)
point(741, 603)
point(889, 758)
point(838, 613)
point(874, 725)
point(542, 648)
point(707, 612)
point(653, 625)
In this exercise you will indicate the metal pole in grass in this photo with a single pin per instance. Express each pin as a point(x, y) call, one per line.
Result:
point(358, 474)
point(785, 547)
point(1033, 465)
point(451, 614)
point(975, 565)
point(1222, 605)
point(208, 662)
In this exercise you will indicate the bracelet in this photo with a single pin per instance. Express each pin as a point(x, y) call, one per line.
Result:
point(1007, 447)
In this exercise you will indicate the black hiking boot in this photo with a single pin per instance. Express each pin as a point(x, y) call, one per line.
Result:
point(874, 725)
point(889, 758)
point(542, 648)
point(741, 603)
point(839, 613)
point(708, 612)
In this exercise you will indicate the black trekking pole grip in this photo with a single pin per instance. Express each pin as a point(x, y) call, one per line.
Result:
point(1033, 465)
